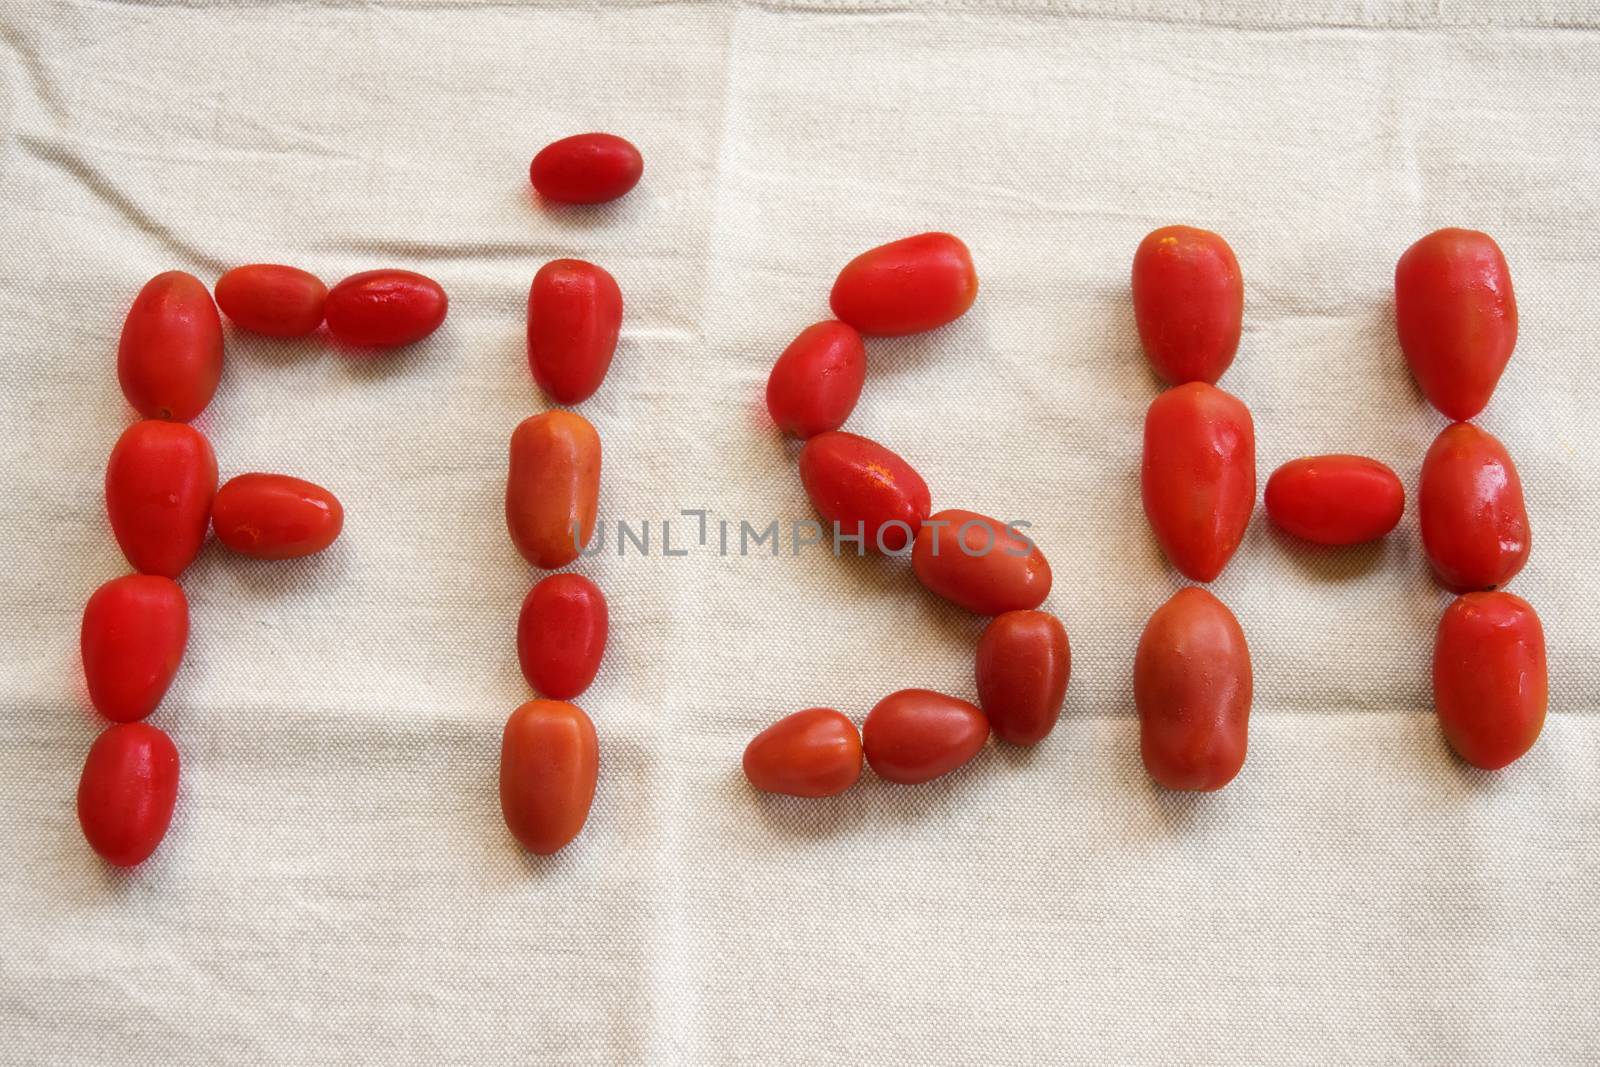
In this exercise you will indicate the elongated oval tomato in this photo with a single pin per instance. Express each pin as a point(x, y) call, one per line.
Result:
point(906, 286)
point(1335, 500)
point(1199, 476)
point(272, 299)
point(1457, 317)
point(917, 735)
point(865, 489)
point(1490, 684)
point(586, 168)
point(1192, 685)
point(553, 487)
point(561, 635)
point(385, 308)
point(574, 317)
point(812, 753)
point(1188, 303)
point(159, 484)
point(980, 563)
point(817, 380)
point(1024, 664)
point(549, 763)
point(169, 360)
point(1474, 522)
point(132, 640)
point(127, 792)
point(274, 516)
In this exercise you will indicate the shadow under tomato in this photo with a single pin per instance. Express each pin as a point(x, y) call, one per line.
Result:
point(269, 576)
point(619, 212)
point(1327, 563)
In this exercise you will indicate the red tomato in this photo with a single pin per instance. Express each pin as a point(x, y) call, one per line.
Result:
point(271, 299)
point(906, 286)
point(549, 762)
point(169, 360)
point(1490, 686)
point(385, 308)
point(1474, 523)
point(1024, 662)
point(1188, 302)
point(159, 484)
point(1199, 476)
point(864, 488)
point(1457, 317)
point(817, 380)
point(980, 563)
point(126, 794)
point(274, 516)
point(916, 735)
point(553, 487)
point(812, 753)
point(133, 635)
point(1335, 500)
point(588, 168)
point(1192, 685)
point(561, 635)
point(574, 316)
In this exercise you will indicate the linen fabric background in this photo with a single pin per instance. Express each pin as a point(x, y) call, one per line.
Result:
point(338, 884)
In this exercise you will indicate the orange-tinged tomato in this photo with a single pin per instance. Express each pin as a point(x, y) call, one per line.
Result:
point(817, 380)
point(1199, 476)
point(274, 516)
point(272, 300)
point(812, 753)
point(917, 735)
point(561, 635)
point(1335, 500)
point(1024, 663)
point(549, 763)
point(906, 286)
point(979, 563)
point(1188, 303)
point(574, 318)
point(1474, 522)
point(865, 489)
point(132, 640)
point(553, 487)
point(169, 360)
point(159, 484)
point(1490, 684)
point(1457, 317)
point(127, 792)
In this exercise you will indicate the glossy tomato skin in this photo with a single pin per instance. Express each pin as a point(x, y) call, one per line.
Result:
point(1474, 522)
point(1188, 303)
point(586, 168)
point(549, 764)
point(906, 286)
point(561, 635)
point(1024, 663)
point(817, 380)
point(169, 359)
point(1457, 317)
point(274, 516)
point(385, 308)
point(1192, 685)
point(864, 488)
point(1335, 500)
point(553, 487)
point(979, 563)
point(159, 484)
point(132, 640)
point(1198, 480)
point(812, 753)
point(272, 299)
point(917, 735)
point(574, 318)
point(127, 792)
point(1490, 683)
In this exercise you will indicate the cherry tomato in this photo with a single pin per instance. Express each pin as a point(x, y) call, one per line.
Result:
point(1490, 686)
point(385, 308)
point(864, 488)
point(126, 794)
point(1192, 685)
point(1335, 500)
point(917, 735)
point(980, 563)
point(1024, 662)
point(553, 488)
point(587, 168)
point(1474, 523)
point(274, 516)
point(561, 635)
point(574, 316)
point(169, 360)
point(132, 640)
point(812, 753)
point(1457, 317)
point(549, 762)
point(271, 299)
point(1199, 476)
point(1188, 303)
point(817, 380)
point(906, 286)
point(159, 484)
